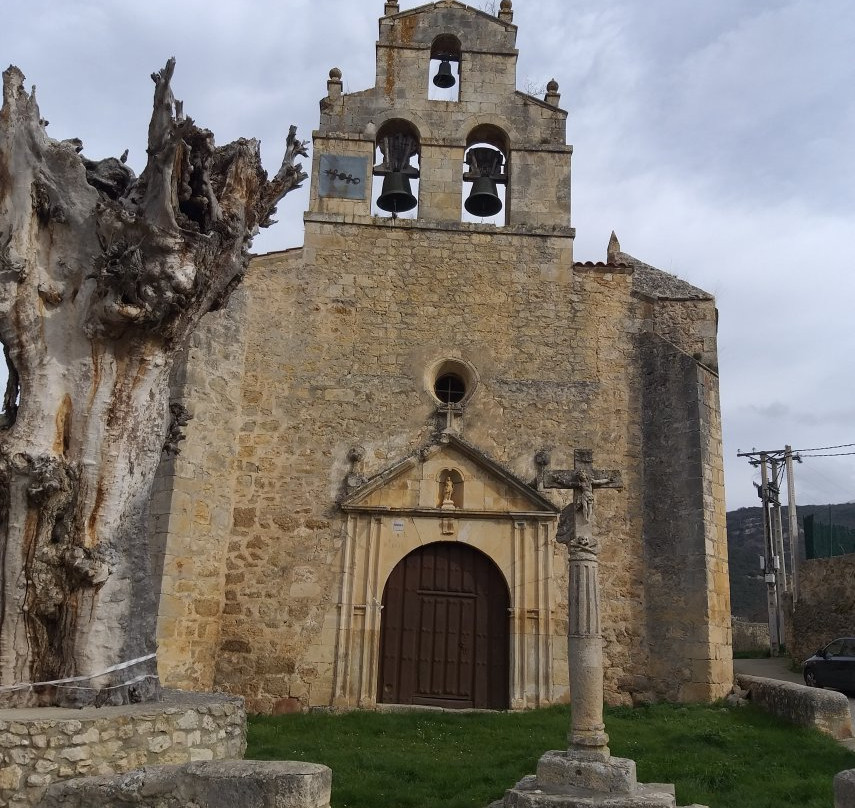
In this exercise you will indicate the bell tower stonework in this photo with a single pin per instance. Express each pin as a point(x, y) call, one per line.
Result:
point(362, 509)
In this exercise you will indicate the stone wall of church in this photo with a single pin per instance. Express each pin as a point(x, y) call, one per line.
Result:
point(688, 603)
point(339, 347)
point(332, 346)
point(193, 499)
point(338, 344)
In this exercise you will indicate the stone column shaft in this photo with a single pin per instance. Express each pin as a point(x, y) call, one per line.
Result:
point(587, 737)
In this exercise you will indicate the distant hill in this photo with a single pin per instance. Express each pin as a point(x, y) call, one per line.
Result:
point(745, 545)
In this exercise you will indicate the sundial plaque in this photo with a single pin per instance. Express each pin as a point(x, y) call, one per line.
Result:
point(342, 177)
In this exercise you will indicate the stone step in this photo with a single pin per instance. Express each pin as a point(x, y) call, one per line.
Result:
point(526, 794)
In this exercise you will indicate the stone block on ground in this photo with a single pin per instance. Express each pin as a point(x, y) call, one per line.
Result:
point(826, 710)
point(844, 789)
point(212, 784)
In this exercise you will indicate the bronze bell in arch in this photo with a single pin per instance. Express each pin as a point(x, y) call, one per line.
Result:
point(486, 169)
point(484, 199)
point(396, 196)
point(444, 78)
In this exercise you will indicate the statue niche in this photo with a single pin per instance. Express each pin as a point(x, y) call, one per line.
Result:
point(450, 489)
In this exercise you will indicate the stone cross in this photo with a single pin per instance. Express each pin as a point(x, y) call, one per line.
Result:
point(587, 737)
point(586, 773)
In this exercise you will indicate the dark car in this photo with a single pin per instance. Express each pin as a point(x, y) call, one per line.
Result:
point(832, 666)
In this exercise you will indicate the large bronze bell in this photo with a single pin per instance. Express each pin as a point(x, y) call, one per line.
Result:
point(484, 199)
point(396, 196)
point(444, 78)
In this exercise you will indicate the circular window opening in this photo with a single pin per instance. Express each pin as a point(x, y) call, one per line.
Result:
point(449, 388)
point(451, 382)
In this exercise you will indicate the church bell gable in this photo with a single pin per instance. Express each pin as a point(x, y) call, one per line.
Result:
point(493, 156)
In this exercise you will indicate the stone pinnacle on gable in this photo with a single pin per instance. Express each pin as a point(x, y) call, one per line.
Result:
point(613, 249)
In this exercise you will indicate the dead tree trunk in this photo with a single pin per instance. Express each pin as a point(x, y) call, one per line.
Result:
point(103, 275)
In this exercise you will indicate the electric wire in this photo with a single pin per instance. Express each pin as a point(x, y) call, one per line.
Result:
point(821, 483)
point(823, 448)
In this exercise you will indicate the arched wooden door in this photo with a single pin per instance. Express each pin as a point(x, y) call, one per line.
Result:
point(444, 630)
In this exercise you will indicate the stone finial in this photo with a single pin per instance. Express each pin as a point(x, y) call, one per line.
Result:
point(552, 96)
point(391, 7)
point(334, 84)
point(613, 249)
point(506, 11)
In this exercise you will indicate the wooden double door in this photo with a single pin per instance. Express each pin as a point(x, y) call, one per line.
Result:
point(444, 631)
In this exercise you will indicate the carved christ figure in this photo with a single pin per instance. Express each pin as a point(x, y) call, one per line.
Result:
point(585, 487)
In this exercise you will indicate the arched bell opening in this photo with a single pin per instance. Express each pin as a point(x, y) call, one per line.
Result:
point(397, 152)
point(444, 72)
point(485, 176)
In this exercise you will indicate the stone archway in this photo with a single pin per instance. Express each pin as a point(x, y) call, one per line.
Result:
point(444, 634)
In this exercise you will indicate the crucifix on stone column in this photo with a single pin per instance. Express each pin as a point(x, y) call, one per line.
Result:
point(586, 773)
point(587, 737)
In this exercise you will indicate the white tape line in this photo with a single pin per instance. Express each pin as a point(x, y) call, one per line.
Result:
point(117, 667)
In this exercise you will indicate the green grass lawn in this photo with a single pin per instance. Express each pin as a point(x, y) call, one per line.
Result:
point(717, 756)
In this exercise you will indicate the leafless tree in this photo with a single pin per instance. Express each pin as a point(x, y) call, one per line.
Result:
point(103, 275)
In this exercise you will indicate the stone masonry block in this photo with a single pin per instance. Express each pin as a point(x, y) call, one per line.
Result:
point(221, 784)
point(844, 789)
point(558, 770)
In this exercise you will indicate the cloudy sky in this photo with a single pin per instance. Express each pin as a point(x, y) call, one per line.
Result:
point(715, 136)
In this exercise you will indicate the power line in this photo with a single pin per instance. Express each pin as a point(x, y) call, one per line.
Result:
point(831, 454)
point(820, 482)
point(823, 448)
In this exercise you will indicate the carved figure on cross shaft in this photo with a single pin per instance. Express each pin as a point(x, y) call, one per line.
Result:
point(585, 493)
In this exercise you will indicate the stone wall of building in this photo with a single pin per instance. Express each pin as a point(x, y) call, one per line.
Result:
point(350, 366)
point(192, 500)
point(339, 346)
point(826, 605)
point(43, 745)
point(749, 636)
point(688, 607)
point(361, 330)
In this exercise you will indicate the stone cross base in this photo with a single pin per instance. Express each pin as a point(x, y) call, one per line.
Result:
point(564, 780)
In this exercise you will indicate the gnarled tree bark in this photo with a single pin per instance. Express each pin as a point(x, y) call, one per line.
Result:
point(103, 275)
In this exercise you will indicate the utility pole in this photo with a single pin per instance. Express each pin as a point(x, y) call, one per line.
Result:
point(780, 566)
point(777, 526)
point(793, 520)
point(774, 566)
point(769, 567)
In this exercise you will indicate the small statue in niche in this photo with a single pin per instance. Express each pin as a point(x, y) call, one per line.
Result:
point(448, 493)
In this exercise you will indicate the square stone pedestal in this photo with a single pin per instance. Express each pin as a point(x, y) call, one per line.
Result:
point(564, 780)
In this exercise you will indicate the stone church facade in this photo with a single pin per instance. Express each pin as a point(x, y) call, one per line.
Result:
point(357, 515)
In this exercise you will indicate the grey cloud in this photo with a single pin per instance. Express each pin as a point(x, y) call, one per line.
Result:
point(714, 136)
